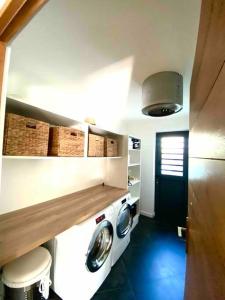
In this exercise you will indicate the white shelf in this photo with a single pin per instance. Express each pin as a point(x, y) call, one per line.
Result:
point(133, 200)
point(133, 182)
point(96, 130)
point(54, 157)
point(18, 106)
point(7, 157)
point(133, 165)
point(138, 150)
point(30, 157)
point(113, 157)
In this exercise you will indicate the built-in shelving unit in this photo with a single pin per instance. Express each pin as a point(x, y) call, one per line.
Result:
point(46, 177)
point(102, 132)
point(134, 173)
point(18, 106)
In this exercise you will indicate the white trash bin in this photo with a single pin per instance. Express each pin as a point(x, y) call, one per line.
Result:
point(28, 277)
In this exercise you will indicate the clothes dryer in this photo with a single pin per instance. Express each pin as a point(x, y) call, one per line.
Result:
point(122, 225)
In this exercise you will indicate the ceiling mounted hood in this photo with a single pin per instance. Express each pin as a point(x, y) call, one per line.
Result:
point(162, 94)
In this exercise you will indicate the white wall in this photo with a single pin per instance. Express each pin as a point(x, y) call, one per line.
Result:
point(146, 130)
point(102, 94)
point(95, 70)
point(28, 182)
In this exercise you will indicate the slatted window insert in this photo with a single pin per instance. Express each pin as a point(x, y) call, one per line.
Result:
point(172, 155)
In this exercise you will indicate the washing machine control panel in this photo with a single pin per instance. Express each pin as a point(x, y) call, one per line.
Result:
point(100, 218)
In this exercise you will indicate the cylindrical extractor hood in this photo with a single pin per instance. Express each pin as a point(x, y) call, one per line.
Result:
point(162, 94)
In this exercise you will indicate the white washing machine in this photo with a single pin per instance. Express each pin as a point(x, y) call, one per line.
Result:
point(122, 225)
point(82, 257)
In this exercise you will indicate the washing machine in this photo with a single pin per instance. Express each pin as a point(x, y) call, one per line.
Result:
point(82, 257)
point(122, 225)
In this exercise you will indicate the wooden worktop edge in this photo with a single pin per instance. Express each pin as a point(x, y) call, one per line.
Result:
point(16, 236)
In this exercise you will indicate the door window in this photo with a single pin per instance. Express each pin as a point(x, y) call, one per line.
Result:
point(171, 155)
point(100, 246)
point(124, 221)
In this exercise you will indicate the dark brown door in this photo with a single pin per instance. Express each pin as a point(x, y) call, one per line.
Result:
point(205, 277)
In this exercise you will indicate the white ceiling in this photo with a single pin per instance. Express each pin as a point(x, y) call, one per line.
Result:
point(68, 41)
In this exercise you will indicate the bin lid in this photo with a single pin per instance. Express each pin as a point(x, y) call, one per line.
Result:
point(27, 269)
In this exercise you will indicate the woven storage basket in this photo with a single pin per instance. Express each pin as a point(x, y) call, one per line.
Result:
point(111, 147)
point(95, 145)
point(64, 141)
point(25, 136)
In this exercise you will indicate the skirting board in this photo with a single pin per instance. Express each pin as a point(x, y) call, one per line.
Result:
point(147, 214)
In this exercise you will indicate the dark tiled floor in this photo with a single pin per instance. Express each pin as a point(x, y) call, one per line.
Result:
point(53, 296)
point(151, 268)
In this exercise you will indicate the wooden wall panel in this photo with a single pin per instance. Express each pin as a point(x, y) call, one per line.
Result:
point(205, 276)
point(8, 12)
point(209, 55)
point(15, 14)
point(207, 134)
point(206, 246)
point(193, 289)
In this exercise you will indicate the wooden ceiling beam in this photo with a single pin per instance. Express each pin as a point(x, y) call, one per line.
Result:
point(8, 12)
point(15, 14)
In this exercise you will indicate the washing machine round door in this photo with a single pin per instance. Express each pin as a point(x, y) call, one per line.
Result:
point(124, 221)
point(100, 246)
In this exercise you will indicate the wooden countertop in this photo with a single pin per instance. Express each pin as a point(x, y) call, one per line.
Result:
point(28, 228)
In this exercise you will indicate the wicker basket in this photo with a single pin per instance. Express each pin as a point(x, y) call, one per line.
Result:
point(95, 145)
point(25, 136)
point(111, 147)
point(64, 141)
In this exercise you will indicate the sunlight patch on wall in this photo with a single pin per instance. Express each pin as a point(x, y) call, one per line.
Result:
point(106, 92)
point(201, 144)
point(102, 95)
